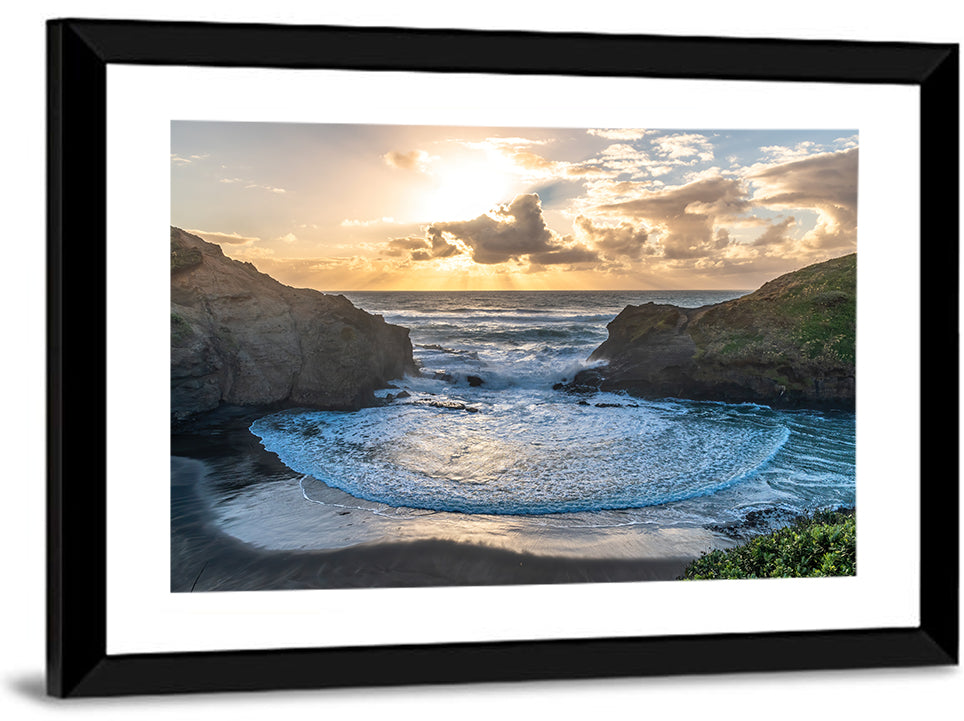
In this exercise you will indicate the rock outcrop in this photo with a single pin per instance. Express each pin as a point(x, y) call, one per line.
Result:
point(240, 337)
point(789, 344)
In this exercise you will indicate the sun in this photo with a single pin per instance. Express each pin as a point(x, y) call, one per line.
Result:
point(465, 191)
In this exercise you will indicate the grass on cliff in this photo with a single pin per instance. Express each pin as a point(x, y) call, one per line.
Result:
point(810, 315)
point(181, 255)
point(824, 544)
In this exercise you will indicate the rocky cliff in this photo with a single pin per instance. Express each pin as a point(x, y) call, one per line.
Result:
point(240, 337)
point(790, 343)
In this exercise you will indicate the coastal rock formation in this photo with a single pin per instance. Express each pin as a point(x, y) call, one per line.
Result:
point(240, 337)
point(789, 344)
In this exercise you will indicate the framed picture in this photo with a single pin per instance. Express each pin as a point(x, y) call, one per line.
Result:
point(440, 356)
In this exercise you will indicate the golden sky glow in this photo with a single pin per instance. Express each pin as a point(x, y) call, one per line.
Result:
point(368, 207)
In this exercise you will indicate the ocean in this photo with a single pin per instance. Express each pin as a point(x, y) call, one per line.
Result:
point(482, 432)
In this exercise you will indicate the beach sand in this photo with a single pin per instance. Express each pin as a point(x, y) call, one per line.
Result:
point(240, 521)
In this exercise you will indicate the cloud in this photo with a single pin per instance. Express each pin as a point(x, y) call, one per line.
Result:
point(441, 248)
point(412, 160)
point(533, 164)
point(686, 215)
point(400, 247)
point(567, 255)
point(625, 158)
point(510, 231)
point(249, 183)
point(784, 154)
point(688, 148)
point(620, 158)
point(269, 188)
point(319, 273)
point(249, 252)
point(219, 237)
point(177, 159)
point(351, 223)
point(421, 248)
point(289, 238)
point(708, 222)
point(620, 241)
point(516, 231)
point(775, 234)
point(826, 183)
point(533, 161)
point(607, 191)
point(496, 142)
point(620, 133)
point(722, 238)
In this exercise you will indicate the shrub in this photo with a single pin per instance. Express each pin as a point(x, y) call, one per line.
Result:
point(824, 544)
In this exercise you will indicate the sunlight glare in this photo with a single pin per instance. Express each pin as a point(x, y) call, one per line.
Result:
point(465, 192)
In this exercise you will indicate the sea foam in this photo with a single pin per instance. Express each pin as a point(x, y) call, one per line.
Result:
point(525, 454)
point(482, 431)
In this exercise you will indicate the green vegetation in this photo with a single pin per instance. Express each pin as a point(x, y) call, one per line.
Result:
point(180, 329)
point(824, 544)
point(807, 316)
point(183, 256)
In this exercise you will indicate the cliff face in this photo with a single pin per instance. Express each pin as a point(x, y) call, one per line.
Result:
point(238, 336)
point(790, 343)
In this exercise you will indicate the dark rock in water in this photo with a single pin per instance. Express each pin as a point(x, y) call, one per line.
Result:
point(583, 403)
point(452, 351)
point(588, 380)
point(451, 405)
point(240, 337)
point(474, 381)
point(789, 344)
point(403, 394)
point(766, 520)
point(443, 376)
point(754, 523)
point(448, 405)
point(609, 405)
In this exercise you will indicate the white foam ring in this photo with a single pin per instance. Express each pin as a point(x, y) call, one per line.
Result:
point(528, 455)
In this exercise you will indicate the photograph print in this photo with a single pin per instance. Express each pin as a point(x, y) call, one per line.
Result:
point(412, 355)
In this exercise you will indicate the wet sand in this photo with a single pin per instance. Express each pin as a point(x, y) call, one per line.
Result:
point(230, 540)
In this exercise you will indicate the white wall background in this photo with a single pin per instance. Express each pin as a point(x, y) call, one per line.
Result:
point(920, 693)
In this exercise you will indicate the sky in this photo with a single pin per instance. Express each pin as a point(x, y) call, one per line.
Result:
point(389, 207)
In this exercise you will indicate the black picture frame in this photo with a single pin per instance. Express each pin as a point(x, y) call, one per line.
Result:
point(79, 52)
